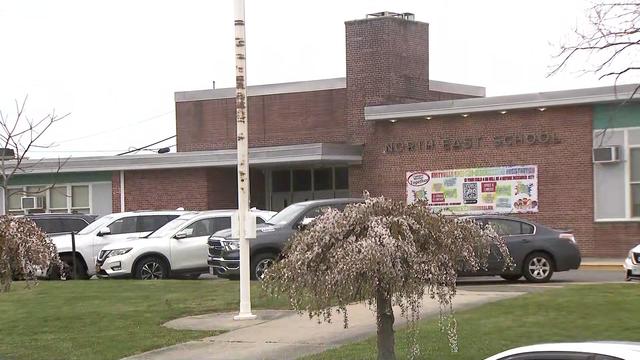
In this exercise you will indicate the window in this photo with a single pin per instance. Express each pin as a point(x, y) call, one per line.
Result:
point(80, 198)
point(322, 179)
point(200, 228)
point(634, 157)
point(222, 223)
point(14, 199)
point(281, 181)
point(510, 227)
point(301, 180)
point(49, 226)
point(153, 222)
point(58, 197)
point(124, 226)
point(69, 225)
point(342, 178)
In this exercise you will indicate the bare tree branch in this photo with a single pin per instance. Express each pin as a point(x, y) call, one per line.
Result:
point(20, 134)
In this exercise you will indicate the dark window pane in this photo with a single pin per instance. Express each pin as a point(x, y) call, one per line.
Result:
point(69, 225)
point(342, 178)
point(221, 223)
point(200, 228)
point(527, 229)
point(323, 179)
point(505, 227)
point(301, 180)
point(281, 181)
point(49, 226)
point(123, 226)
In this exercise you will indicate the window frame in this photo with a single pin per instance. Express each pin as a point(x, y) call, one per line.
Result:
point(47, 196)
point(630, 182)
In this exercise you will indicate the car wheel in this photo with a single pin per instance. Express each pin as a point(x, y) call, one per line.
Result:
point(538, 267)
point(152, 268)
point(511, 277)
point(260, 263)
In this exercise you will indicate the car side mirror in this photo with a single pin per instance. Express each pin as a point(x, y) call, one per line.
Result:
point(104, 231)
point(180, 235)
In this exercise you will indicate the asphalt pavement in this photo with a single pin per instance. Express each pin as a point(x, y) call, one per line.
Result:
point(496, 283)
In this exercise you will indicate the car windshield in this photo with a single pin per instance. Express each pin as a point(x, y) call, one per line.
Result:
point(286, 215)
point(169, 228)
point(102, 222)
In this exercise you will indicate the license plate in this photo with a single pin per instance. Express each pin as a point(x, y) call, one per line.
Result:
point(635, 271)
point(98, 269)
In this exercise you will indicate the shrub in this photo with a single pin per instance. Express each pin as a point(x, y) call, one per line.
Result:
point(24, 251)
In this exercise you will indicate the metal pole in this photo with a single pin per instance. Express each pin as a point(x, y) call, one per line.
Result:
point(73, 253)
point(243, 161)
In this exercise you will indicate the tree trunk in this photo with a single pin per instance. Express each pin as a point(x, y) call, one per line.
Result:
point(385, 319)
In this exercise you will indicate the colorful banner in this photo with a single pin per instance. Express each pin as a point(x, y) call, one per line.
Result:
point(501, 190)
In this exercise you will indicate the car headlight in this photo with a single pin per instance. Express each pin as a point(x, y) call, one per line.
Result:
point(632, 257)
point(230, 245)
point(116, 252)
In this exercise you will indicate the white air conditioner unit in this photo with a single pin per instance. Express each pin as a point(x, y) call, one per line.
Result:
point(607, 154)
point(32, 202)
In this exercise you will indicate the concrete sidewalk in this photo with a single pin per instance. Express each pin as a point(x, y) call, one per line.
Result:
point(287, 335)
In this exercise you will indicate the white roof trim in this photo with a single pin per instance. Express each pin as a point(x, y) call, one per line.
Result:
point(275, 155)
point(312, 85)
point(258, 90)
point(498, 103)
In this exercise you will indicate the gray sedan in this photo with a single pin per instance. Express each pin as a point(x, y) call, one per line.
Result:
point(536, 250)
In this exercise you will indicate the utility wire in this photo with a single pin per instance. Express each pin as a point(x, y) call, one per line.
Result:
point(115, 129)
point(146, 146)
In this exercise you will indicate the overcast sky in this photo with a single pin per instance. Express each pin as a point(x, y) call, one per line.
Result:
point(115, 65)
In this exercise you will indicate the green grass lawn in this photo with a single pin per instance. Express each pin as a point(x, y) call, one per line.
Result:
point(109, 319)
point(577, 313)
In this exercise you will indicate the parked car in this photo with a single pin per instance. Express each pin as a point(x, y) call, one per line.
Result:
point(271, 237)
point(632, 264)
point(177, 248)
point(537, 251)
point(108, 229)
point(61, 223)
point(573, 351)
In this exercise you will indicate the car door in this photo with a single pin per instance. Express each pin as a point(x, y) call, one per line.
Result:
point(518, 237)
point(121, 229)
point(191, 251)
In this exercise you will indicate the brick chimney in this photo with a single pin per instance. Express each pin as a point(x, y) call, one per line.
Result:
point(387, 62)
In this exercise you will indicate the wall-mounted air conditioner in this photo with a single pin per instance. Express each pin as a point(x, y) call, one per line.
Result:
point(607, 154)
point(32, 202)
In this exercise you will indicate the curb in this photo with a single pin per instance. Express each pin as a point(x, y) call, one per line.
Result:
point(602, 266)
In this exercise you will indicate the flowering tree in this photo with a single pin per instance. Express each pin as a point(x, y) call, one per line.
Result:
point(385, 253)
point(24, 249)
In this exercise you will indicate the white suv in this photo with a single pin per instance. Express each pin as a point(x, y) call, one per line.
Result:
point(106, 230)
point(178, 248)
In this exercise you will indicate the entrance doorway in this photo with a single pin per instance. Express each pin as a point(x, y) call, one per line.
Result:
point(288, 186)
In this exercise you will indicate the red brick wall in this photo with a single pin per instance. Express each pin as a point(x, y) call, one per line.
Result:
point(162, 189)
point(279, 119)
point(565, 171)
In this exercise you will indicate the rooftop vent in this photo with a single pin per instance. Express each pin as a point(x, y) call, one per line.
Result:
point(406, 16)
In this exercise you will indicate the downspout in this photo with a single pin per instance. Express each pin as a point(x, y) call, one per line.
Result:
point(121, 190)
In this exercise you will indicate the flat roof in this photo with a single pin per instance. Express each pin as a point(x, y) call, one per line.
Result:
point(606, 94)
point(259, 156)
point(311, 85)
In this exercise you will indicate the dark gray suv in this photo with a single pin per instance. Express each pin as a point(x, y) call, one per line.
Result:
point(271, 237)
point(62, 223)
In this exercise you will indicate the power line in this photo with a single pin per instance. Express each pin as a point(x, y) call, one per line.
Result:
point(116, 128)
point(146, 146)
